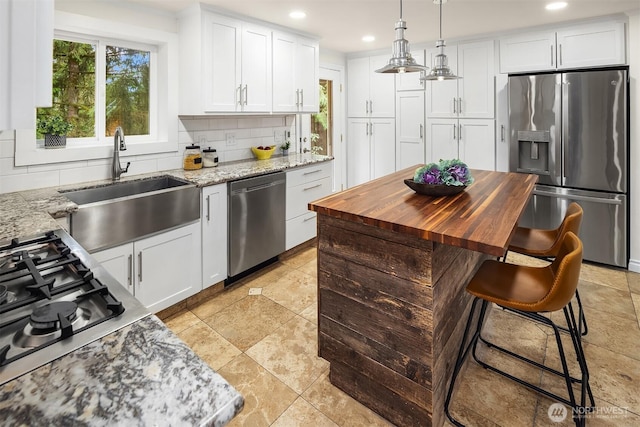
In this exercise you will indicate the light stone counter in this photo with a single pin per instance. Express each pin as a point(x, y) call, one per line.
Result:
point(141, 375)
point(30, 212)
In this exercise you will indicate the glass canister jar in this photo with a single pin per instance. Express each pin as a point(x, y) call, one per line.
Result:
point(192, 158)
point(209, 157)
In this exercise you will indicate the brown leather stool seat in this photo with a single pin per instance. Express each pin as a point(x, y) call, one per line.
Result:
point(529, 291)
point(545, 244)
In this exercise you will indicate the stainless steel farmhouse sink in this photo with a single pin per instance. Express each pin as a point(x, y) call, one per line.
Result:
point(121, 212)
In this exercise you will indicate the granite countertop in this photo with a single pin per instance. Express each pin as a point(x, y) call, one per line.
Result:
point(140, 375)
point(31, 212)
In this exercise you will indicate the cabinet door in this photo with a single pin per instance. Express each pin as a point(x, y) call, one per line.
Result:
point(382, 89)
point(358, 152)
point(409, 129)
point(477, 143)
point(221, 64)
point(592, 45)
point(358, 87)
point(214, 234)
point(307, 74)
point(284, 72)
point(528, 52)
point(443, 139)
point(442, 96)
point(502, 122)
point(383, 148)
point(168, 267)
point(476, 87)
point(118, 262)
point(256, 68)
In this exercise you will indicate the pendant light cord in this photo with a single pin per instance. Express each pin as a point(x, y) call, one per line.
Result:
point(401, 10)
point(440, 19)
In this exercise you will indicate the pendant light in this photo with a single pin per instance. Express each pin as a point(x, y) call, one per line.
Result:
point(401, 61)
point(440, 70)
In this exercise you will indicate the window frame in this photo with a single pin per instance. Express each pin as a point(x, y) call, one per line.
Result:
point(163, 99)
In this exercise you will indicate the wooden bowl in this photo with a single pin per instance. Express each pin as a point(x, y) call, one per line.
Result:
point(263, 154)
point(435, 190)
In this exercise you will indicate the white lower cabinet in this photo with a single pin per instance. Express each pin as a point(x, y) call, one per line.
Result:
point(304, 185)
point(214, 234)
point(470, 140)
point(160, 270)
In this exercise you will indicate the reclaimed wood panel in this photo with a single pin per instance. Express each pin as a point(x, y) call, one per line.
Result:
point(481, 218)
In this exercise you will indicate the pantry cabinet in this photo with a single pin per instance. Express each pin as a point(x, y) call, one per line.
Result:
point(369, 94)
point(295, 73)
point(410, 120)
point(470, 140)
point(160, 270)
point(305, 185)
point(592, 45)
point(371, 149)
point(225, 65)
point(470, 96)
point(214, 234)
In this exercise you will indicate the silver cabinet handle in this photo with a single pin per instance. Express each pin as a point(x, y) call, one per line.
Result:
point(208, 208)
point(139, 268)
point(551, 55)
point(130, 270)
point(309, 219)
point(239, 95)
point(366, 129)
point(459, 105)
point(312, 187)
point(454, 132)
point(366, 103)
point(246, 94)
point(421, 128)
point(560, 54)
point(297, 97)
point(371, 106)
point(370, 128)
point(460, 132)
point(455, 109)
point(502, 133)
point(313, 171)
point(301, 97)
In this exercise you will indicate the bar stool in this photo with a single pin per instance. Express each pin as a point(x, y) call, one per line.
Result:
point(529, 291)
point(545, 244)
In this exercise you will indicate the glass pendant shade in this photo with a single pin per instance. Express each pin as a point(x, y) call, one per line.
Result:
point(401, 61)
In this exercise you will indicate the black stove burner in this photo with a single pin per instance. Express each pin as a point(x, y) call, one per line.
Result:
point(4, 294)
point(51, 315)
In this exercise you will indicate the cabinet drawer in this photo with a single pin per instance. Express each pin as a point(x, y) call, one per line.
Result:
point(309, 173)
point(298, 197)
point(300, 229)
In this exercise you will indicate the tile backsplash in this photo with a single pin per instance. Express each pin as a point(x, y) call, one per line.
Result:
point(245, 132)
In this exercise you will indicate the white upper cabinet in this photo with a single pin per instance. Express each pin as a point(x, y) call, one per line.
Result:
point(593, 45)
point(295, 73)
point(225, 65)
point(370, 94)
point(471, 96)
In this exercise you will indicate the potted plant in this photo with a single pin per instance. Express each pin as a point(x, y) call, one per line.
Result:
point(285, 148)
point(54, 128)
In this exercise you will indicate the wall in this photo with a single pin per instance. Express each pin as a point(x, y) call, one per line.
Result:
point(634, 191)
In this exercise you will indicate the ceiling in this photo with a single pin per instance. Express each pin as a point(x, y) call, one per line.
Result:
point(341, 24)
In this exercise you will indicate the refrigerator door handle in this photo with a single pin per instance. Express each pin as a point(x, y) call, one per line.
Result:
point(576, 197)
point(565, 128)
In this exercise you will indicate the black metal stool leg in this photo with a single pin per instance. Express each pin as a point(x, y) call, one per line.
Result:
point(462, 354)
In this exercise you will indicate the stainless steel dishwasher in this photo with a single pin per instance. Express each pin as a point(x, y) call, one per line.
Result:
point(256, 222)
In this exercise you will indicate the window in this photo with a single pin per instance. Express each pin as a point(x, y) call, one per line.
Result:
point(98, 86)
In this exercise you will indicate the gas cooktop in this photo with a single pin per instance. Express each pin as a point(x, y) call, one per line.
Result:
point(55, 298)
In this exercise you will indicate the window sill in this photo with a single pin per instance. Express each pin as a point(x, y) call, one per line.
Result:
point(28, 153)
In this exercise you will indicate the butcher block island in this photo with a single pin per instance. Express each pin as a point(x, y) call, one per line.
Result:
point(392, 270)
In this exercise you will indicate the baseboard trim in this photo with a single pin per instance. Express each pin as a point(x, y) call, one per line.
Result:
point(634, 265)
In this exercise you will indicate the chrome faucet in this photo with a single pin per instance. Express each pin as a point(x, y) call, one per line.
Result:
point(118, 144)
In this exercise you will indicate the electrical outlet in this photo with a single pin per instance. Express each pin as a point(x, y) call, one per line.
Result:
point(230, 138)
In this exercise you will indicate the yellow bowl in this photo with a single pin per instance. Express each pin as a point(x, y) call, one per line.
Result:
point(263, 154)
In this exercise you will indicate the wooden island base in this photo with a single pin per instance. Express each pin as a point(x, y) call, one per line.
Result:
point(392, 272)
point(390, 347)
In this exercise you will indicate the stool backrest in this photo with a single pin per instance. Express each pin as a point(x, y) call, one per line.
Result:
point(570, 223)
point(566, 272)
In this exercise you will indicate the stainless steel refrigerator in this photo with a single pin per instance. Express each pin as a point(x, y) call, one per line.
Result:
point(572, 130)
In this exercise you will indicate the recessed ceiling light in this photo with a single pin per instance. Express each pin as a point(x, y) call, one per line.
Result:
point(297, 14)
point(368, 39)
point(556, 5)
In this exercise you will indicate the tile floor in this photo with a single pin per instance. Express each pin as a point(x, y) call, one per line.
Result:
point(265, 346)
